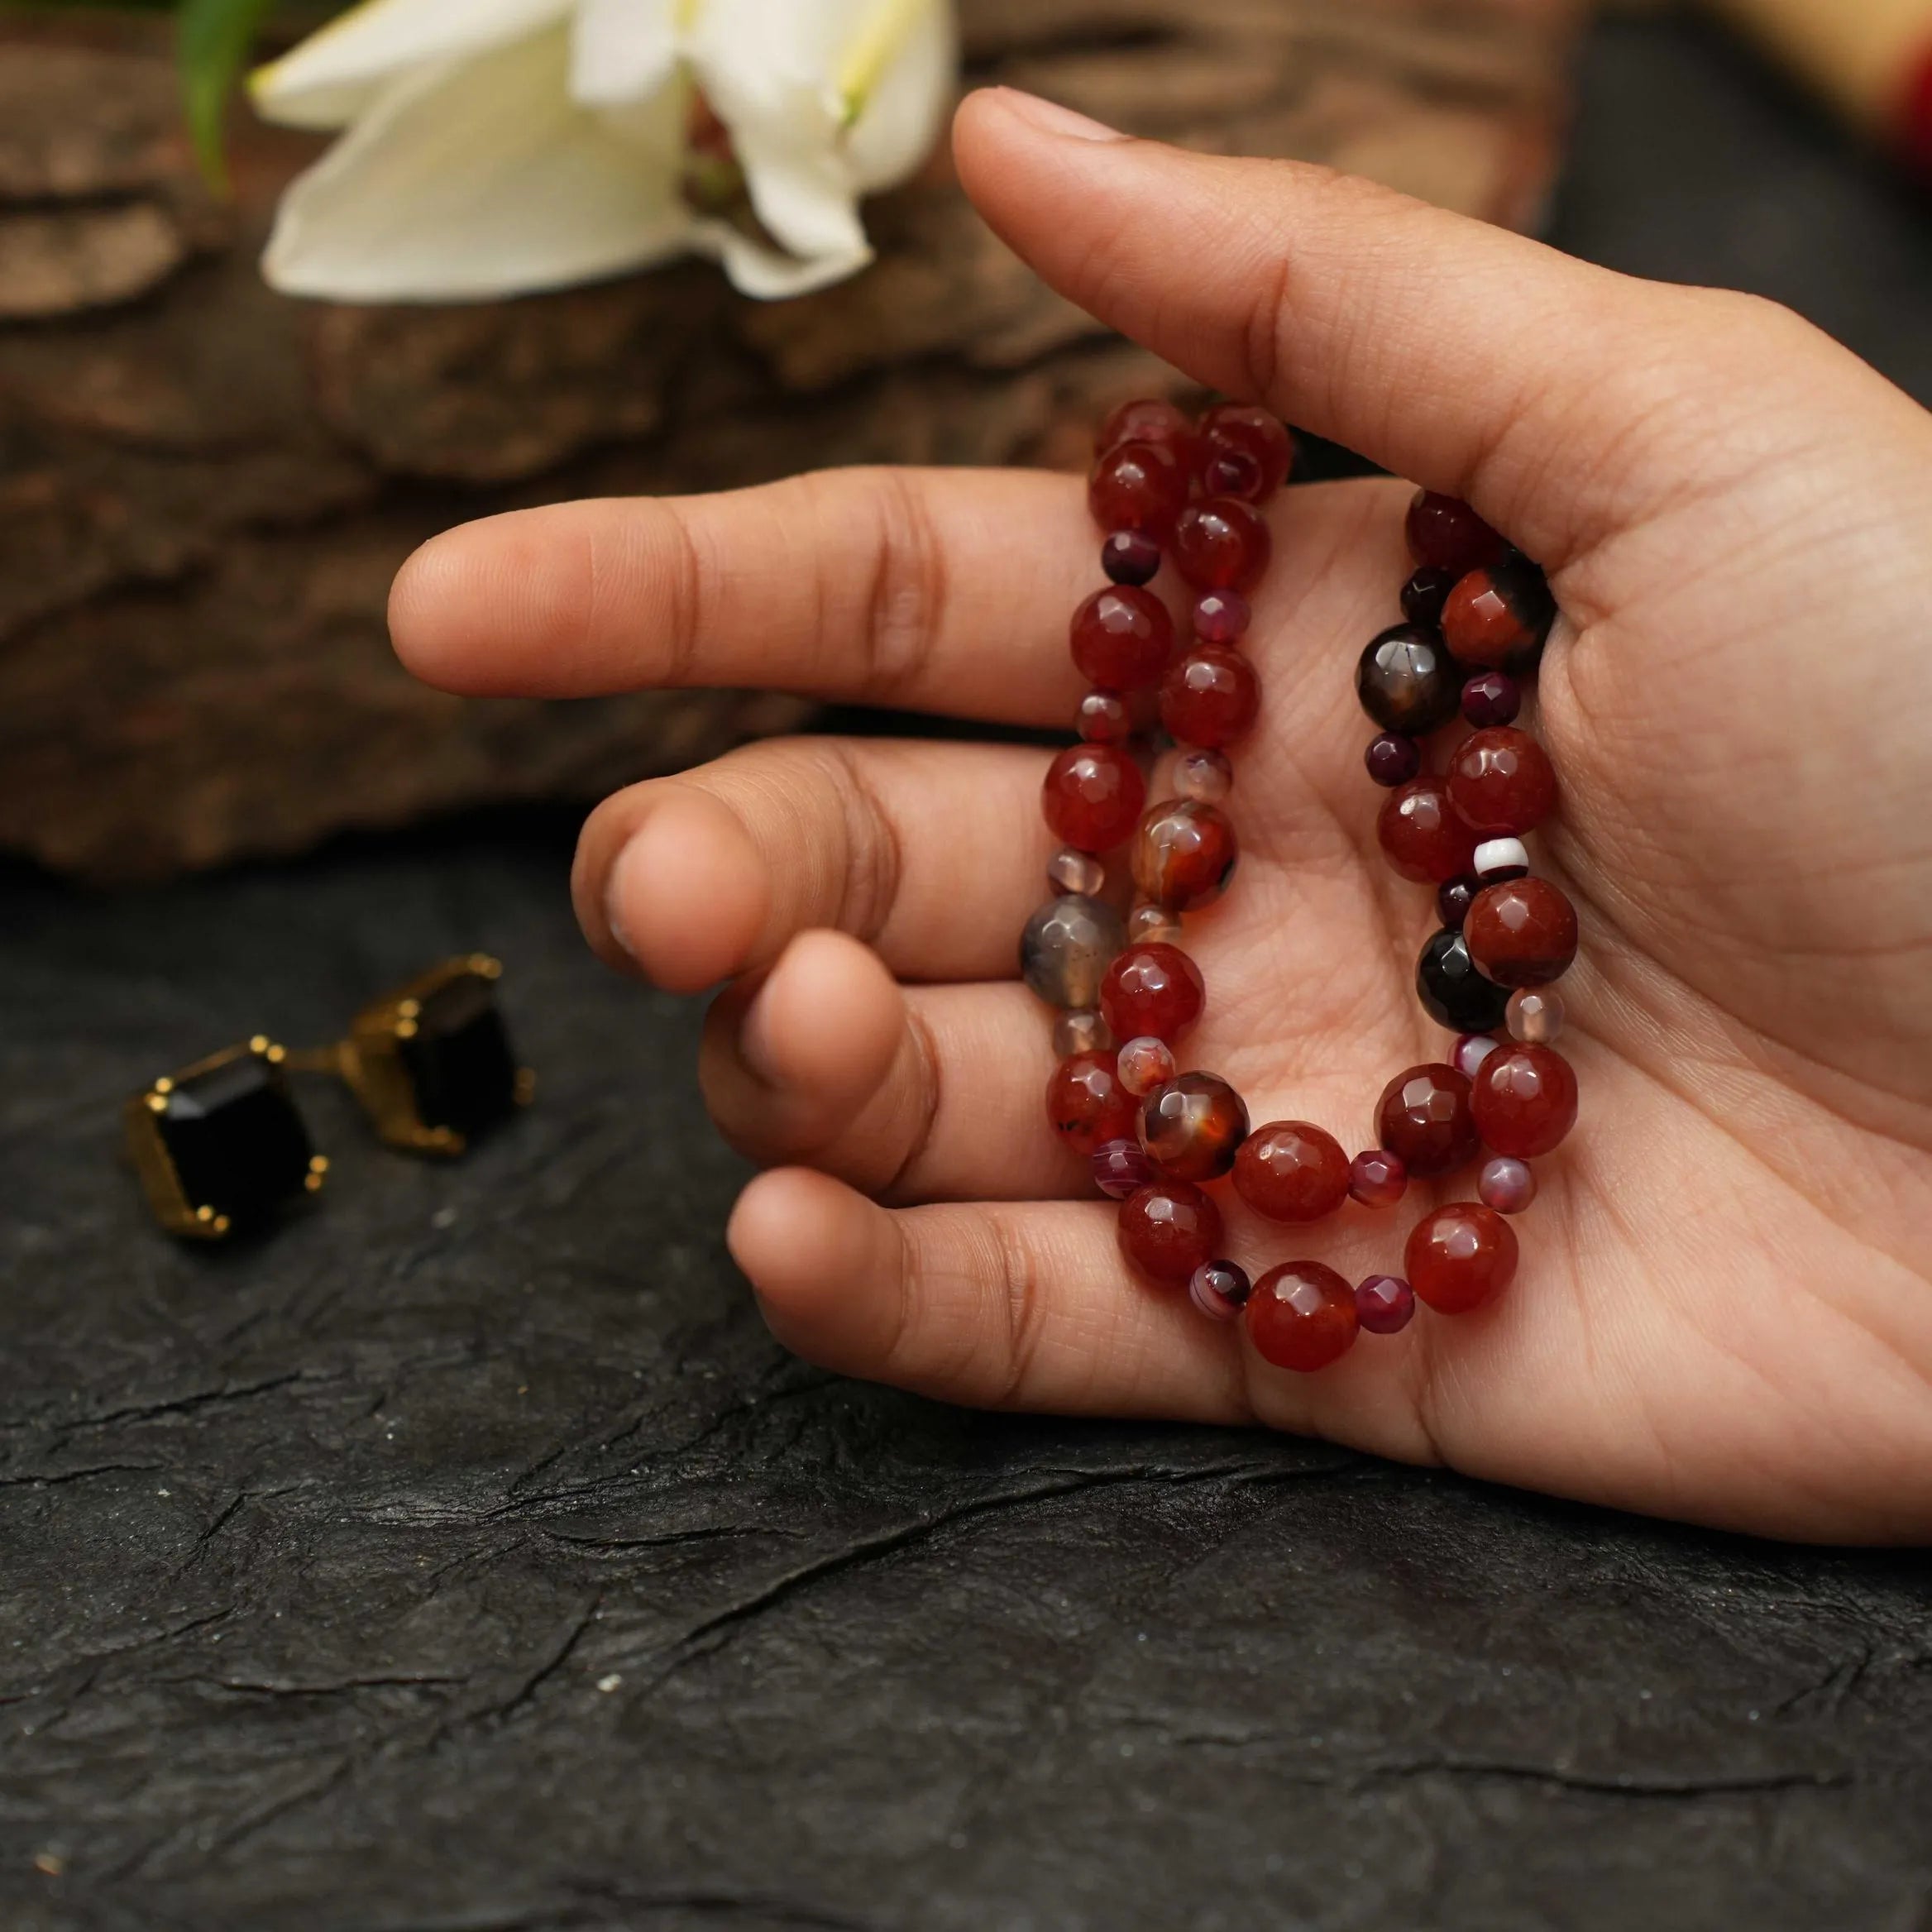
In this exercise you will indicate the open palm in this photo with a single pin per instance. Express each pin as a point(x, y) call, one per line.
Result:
point(1724, 1310)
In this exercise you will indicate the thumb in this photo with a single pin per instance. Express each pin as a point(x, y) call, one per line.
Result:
point(1473, 360)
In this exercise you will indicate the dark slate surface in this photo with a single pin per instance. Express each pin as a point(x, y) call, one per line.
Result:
point(466, 1557)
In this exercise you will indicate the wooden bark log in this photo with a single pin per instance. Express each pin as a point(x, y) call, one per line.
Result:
point(205, 488)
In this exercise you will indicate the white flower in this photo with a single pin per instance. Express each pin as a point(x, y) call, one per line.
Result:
point(497, 147)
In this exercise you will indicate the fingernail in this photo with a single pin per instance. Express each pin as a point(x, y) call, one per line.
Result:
point(1051, 117)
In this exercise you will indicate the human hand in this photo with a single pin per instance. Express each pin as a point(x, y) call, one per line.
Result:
point(1724, 1310)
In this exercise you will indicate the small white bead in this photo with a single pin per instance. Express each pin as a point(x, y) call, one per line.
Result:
point(1500, 855)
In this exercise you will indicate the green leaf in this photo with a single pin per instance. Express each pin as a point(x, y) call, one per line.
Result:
point(213, 39)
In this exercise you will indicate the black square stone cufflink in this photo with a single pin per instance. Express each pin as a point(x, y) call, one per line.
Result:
point(220, 1147)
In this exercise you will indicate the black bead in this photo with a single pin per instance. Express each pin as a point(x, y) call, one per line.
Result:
point(458, 1059)
point(1453, 993)
point(1454, 900)
point(1407, 682)
point(235, 1140)
point(1129, 557)
point(1425, 594)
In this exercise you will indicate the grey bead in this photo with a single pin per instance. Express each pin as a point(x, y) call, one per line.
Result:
point(1067, 948)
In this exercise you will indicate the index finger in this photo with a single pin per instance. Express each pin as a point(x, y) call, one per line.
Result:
point(938, 590)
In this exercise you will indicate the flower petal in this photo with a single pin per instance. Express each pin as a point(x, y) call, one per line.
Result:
point(900, 122)
point(336, 73)
point(622, 50)
point(480, 178)
point(767, 275)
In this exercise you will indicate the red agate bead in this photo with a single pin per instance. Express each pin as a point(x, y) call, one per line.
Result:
point(1122, 638)
point(1290, 1171)
point(1377, 1178)
point(1524, 1100)
point(1104, 718)
point(1521, 933)
point(1086, 1104)
point(1445, 533)
point(1461, 1256)
point(1424, 1117)
point(1244, 452)
point(1138, 486)
point(1093, 795)
point(1210, 698)
point(1184, 854)
point(1502, 783)
point(1385, 1304)
point(1301, 1316)
point(1499, 614)
point(1422, 836)
point(1169, 1230)
point(1192, 1128)
point(1222, 544)
point(1147, 419)
point(1152, 991)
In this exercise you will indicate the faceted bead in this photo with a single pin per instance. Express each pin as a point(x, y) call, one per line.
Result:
point(1461, 1256)
point(1122, 639)
point(1067, 948)
point(1222, 544)
point(1522, 933)
point(1452, 992)
point(1524, 1100)
point(1168, 1229)
point(1445, 533)
point(1086, 1104)
point(1301, 1316)
point(1192, 1128)
point(1138, 486)
point(1422, 836)
point(1219, 1288)
point(1204, 775)
point(1130, 557)
point(1506, 1184)
point(458, 1058)
point(1153, 926)
point(1377, 1178)
point(1144, 1063)
point(1453, 899)
point(1406, 681)
point(1093, 796)
point(1210, 698)
point(1222, 616)
point(1536, 1016)
point(1424, 1117)
point(1104, 719)
point(1152, 990)
point(1071, 870)
point(1385, 1304)
point(1083, 1031)
point(1492, 698)
point(1425, 594)
point(1470, 1051)
point(1290, 1171)
point(1502, 783)
point(1148, 419)
point(1499, 616)
point(1120, 1168)
point(1184, 854)
point(1501, 859)
point(1392, 760)
point(1245, 452)
point(238, 1147)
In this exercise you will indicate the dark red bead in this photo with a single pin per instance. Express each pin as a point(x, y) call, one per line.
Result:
point(1086, 1104)
point(1424, 1117)
point(1522, 933)
point(1502, 783)
point(1191, 1127)
point(1184, 854)
point(1425, 594)
point(1377, 1178)
point(1492, 698)
point(1220, 1289)
point(1461, 1256)
point(1122, 638)
point(1148, 419)
point(1445, 533)
point(1423, 837)
point(1222, 544)
point(1244, 452)
point(1104, 718)
point(1222, 616)
point(1392, 759)
point(1385, 1304)
point(1210, 698)
point(1290, 1171)
point(1093, 795)
point(1453, 899)
point(1169, 1230)
point(1130, 557)
point(1301, 1316)
point(1152, 991)
point(1524, 1100)
point(1406, 681)
point(1138, 486)
point(1499, 616)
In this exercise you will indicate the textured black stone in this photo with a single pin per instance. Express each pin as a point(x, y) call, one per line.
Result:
point(459, 1061)
point(237, 1144)
point(464, 1558)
